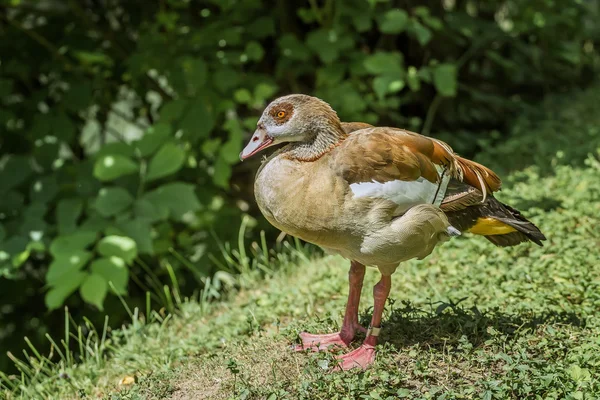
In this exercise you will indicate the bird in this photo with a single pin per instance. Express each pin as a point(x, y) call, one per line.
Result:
point(378, 196)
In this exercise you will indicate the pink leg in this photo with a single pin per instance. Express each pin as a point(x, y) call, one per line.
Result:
point(350, 324)
point(365, 354)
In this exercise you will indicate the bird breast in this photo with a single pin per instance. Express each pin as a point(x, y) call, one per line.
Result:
point(302, 199)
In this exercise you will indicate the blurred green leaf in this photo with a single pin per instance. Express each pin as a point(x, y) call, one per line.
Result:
point(139, 230)
point(111, 167)
point(63, 127)
point(326, 44)
point(143, 208)
point(393, 21)
point(44, 189)
point(226, 78)
point(153, 139)
point(195, 71)
point(177, 197)
point(384, 63)
point(66, 263)
point(173, 110)
point(118, 246)
point(64, 245)
point(254, 51)
point(168, 160)
point(67, 213)
point(293, 48)
point(387, 84)
point(242, 96)
point(116, 148)
point(68, 284)
point(198, 120)
point(222, 173)
point(93, 290)
point(445, 79)
point(78, 96)
point(15, 171)
point(87, 57)
point(263, 91)
point(422, 33)
point(112, 269)
point(412, 78)
point(113, 200)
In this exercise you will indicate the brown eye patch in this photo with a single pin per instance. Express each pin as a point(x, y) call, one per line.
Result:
point(282, 113)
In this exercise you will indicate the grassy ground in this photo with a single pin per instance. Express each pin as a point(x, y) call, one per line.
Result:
point(471, 321)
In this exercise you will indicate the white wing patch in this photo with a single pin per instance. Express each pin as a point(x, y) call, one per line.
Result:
point(405, 193)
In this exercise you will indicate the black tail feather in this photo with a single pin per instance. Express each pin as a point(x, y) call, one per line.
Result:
point(463, 206)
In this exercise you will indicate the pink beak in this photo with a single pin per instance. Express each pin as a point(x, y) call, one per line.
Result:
point(259, 141)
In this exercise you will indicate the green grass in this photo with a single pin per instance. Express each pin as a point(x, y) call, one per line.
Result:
point(470, 321)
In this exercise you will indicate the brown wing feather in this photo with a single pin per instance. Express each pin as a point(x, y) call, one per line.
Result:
point(377, 154)
point(350, 127)
point(384, 154)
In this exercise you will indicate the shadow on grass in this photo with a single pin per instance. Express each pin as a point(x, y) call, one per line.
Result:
point(447, 323)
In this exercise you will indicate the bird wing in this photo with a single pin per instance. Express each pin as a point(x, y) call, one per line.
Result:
point(404, 166)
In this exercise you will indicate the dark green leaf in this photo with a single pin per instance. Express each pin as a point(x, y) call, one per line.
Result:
point(145, 209)
point(325, 44)
point(384, 63)
point(173, 110)
point(195, 72)
point(168, 160)
point(6, 87)
point(116, 148)
point(198, 120)
point(225, 78)
point(177, 197)
point(64, 245)
point(113, 200)
point(113, 166)
point(67, 213)
point(393, 21)
point(222, 173)
point(63, 127)
point(422, 33)
point(78, 96)
point(293, 48)
point(153, 139)
point(15, 171)
point(254, 51)
point(445, 79)
point(262, 27)
point(139, 230)
point(44, 189)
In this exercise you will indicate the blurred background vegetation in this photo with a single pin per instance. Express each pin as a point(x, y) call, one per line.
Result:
point(121, 123)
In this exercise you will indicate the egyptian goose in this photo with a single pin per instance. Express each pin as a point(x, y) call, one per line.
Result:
point(376, 195)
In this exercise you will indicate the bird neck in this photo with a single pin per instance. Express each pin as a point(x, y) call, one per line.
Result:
point(320, 141)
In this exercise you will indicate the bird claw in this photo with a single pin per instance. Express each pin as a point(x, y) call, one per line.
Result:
point(362, 357)
point(325, 342)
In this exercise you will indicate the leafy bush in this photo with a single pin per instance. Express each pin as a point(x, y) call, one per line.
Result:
point(120, 125)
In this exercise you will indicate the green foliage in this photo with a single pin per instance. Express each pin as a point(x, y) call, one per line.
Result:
point(122, 124)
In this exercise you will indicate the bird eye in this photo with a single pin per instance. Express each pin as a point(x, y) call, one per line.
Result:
point(281, 114)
